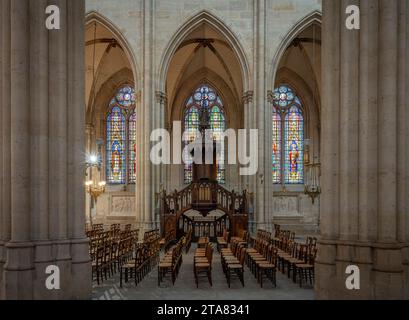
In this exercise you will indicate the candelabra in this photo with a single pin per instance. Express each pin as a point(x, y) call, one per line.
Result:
point(312, 181)
point(95, 190)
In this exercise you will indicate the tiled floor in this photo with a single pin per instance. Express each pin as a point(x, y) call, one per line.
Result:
point(185, 288)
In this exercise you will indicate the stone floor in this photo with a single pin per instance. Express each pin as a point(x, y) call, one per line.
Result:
point(185, 288)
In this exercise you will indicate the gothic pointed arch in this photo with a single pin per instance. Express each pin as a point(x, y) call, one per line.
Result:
point(204, 17)
point(101, 51)
point(314, 17)
point(94, 16)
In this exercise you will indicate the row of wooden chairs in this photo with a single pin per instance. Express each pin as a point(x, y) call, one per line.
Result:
point(262, 261)
point(243, 238)
point(172, 262)
point(109, 253)
point(168, 239)
point(282, 251)
point(114, 230)
point(223, 241)
point(202, 263)
point(94, 227)
point(298, 259)
point(145, 258)
point(151, 235)
point(233, 261)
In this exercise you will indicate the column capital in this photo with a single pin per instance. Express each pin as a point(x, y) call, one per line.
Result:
point(89, 129)
point(248, 97)
point(270, 96)
point(161, 97)
point(138, 96)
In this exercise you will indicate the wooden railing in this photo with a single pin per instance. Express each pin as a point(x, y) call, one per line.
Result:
point(204, 197)
point(210, 227)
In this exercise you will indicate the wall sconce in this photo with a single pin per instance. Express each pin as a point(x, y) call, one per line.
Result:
point(95, 190)
point(93, 160)
point(261, 178)
point(312, 182)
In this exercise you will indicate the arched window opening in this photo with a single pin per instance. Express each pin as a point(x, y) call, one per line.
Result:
point(288, 138)
point(121, 138)
point(205, 97)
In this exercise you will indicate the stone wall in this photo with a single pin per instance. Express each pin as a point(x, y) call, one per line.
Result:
point(260, 30)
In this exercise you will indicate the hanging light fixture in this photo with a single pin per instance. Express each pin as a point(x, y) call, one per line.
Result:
point(312, 168)
point(94, 160)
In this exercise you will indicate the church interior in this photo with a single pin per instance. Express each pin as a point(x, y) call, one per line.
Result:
point(285, 87)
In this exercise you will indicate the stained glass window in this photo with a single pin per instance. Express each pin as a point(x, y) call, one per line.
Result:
point(116, 146)
point(288, 137)
point(283, 97)
point(121, 138)
point(132, 148)
point(205, 99)
point(126, 97)
point(276, 146)
point(191, 127)
point(218, 126)
point(294, 146)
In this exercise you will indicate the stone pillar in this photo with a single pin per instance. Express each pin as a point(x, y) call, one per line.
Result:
point(5, 155)
point(43, 81)
point(250, 182)
point(364, 144)
point(144, 190)
point(158, 122)
point(259, 105)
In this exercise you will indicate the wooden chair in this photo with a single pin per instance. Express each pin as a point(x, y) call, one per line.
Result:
point(258, 254)
point(222, 242)
point(203, 265)
point(306, 270)
point(268, 267)
point(229, 255)
point(133, 269)
point(171, 263)
point(203, 241)
point(97, 264)
point(236, 267)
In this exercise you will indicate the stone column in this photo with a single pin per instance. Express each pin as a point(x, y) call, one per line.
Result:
point(5, 162)
point(364, 143)
point(269, 203)
point(144, 190)
point(259, 105)
point(44, 80)
point(250, 182)
point(158, 122)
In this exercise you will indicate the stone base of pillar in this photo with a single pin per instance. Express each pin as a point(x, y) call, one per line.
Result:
point(382, 270)
point(24, 275)
point(18, 270)
point(81, 270)
point(2, 258)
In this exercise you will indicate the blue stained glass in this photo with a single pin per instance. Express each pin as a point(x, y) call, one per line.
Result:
point(283, 97)
point(132, 148)
point(294, 146)
point(116, 146)
point(121, 138)
point(276, 155)
point(191, 127)
point(126, 97)
point(287, 137)
point(205, 97)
